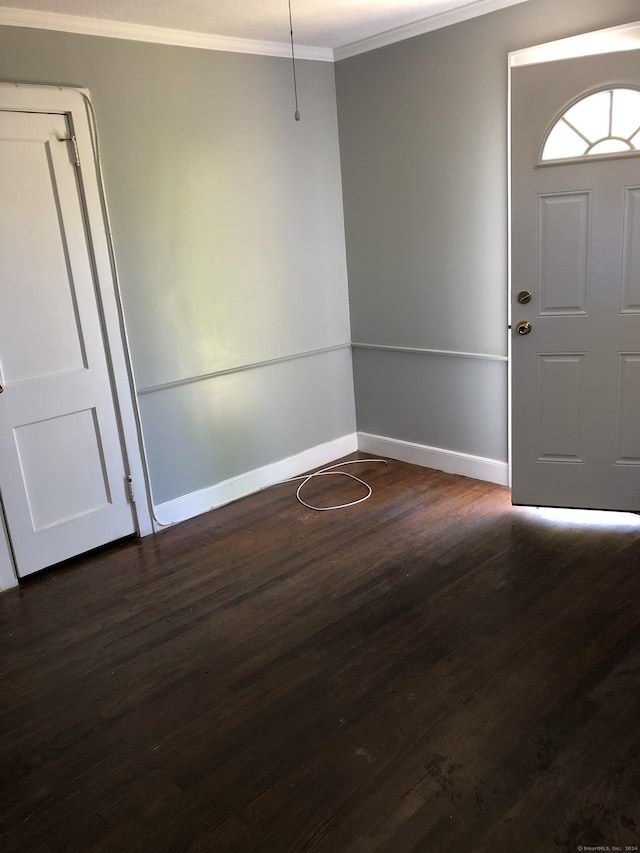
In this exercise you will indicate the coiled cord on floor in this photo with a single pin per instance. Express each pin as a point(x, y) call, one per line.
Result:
point(327, 472)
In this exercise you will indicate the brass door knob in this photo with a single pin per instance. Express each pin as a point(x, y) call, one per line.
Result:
point(1, 388)
point(523, 327)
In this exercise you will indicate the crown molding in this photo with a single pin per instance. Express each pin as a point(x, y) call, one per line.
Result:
point(427, 25)
point(80, 25)
point(10, 17)
point(611, 40)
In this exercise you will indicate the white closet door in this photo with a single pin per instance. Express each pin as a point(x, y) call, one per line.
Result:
point(62, 466)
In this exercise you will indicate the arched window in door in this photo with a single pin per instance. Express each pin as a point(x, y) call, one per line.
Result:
point(604, 122)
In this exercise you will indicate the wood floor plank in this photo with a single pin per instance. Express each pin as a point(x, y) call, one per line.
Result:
point(432, 669)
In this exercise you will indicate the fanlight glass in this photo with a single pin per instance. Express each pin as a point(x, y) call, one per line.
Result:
point(605, 122)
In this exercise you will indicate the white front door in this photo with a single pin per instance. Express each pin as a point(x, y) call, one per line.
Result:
point(63, 477)
point(576, 250)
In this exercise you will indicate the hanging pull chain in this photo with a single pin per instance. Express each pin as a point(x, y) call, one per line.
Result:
point(293, 64)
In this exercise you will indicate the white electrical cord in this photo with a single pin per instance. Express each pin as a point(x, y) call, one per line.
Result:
point(327, 472)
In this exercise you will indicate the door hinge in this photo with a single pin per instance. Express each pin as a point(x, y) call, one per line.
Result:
point(76, 152)
point(130, 491)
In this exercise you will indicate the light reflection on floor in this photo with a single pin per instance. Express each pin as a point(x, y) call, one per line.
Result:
point(585, 517)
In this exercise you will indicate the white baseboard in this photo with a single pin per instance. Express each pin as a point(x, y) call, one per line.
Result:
point(195, 503)
point(478, 467)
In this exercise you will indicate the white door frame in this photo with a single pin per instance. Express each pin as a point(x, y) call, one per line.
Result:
point(76, 105)
point(610, 40)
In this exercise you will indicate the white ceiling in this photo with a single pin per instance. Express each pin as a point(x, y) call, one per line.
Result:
point(324, 24)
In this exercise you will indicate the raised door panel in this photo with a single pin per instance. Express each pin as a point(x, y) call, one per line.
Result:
point(40, 304)
point(628, 409)
point(563, 260)
point(54, 494)
point(560, 395)
point(631, 252)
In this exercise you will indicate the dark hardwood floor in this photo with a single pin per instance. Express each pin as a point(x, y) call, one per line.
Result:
point(432, 670)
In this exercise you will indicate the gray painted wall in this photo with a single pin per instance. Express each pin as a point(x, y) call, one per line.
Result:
point(424, 164)
point(228, 229)
point(229, 236)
